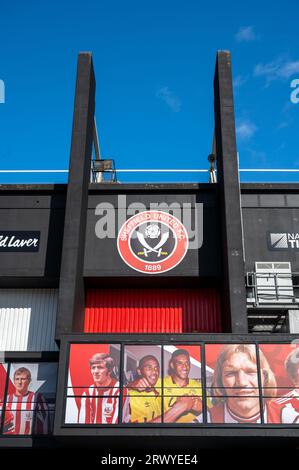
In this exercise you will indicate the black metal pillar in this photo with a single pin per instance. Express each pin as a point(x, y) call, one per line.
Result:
point(71, 299)
point(234, 292)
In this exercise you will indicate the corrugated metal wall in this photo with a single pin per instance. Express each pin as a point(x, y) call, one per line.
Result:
point(27, 319)
point(152, 311)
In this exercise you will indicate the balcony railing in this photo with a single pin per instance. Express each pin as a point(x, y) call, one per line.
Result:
point(270, 288)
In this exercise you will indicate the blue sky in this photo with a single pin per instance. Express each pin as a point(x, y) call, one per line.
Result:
point(154, 64)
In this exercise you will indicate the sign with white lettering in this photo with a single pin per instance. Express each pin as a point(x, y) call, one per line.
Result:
point(19, 241)
point(283, 241)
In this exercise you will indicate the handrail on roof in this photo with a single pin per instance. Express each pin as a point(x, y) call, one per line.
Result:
point(162, 170)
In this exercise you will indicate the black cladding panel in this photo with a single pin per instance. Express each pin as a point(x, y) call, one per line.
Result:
point(102, 257)
point(260, 227)
point(21, 216)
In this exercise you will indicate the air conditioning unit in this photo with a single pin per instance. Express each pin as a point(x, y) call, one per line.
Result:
point(274, 282)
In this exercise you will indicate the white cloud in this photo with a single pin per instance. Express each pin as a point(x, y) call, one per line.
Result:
point(246, 34)
point(287, 107)
point(245, 130)
point(281, 147)
point(169, 98)
point(256, 156)
point(239, 81)
point(278, 69)
point(283, 125)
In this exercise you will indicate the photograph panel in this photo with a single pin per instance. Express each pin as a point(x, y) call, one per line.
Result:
point(182, 386)
point(279, 366)
point(232, 383)
point(142, 379)
point(30, 399)
point(93, 384)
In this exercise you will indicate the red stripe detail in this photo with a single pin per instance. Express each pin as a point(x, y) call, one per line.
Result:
point(28, 409)
point(7, 414)
point(115, 410)
point(94, 405)
point(97, 406)
point(87, 410)
point(18, 415)
point(152, 311)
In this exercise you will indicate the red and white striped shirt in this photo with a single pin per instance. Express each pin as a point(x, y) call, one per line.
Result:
point(285, 409)
point(100, 406)
point(30, 413)
point(221, 414)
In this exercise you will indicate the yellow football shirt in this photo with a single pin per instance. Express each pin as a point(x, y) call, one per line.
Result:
point(173, 391)
point(145, 406)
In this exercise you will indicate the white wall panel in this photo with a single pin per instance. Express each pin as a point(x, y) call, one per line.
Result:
point(294, 321)
point(27, 319)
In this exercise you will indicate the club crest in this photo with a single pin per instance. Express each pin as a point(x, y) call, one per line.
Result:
point(152, 242)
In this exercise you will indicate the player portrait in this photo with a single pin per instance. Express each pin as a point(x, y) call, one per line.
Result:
point(93, 385)
point(142, 373)
point(30, 400)
point(182, 390)
point(284, 361)
point(233, 386)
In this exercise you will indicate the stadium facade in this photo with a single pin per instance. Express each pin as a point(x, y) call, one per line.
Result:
point(159, 314)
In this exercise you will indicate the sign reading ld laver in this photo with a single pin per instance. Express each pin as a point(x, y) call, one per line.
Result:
point(14, 241)
point(283, 241)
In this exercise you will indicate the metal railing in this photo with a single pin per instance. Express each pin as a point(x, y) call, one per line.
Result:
point(180, 173)
point(272, 288)
point(268, 322)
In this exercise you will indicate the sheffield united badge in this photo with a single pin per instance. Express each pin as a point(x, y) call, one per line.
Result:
point(152, 242)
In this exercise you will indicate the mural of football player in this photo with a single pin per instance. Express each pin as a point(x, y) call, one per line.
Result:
point(26, 411)
point(235, 387)
point(145, 392)
point(99, 403)
point(285, 409)
point(182, 394)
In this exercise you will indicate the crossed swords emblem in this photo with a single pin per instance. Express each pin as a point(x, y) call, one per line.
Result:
point(156, 249)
